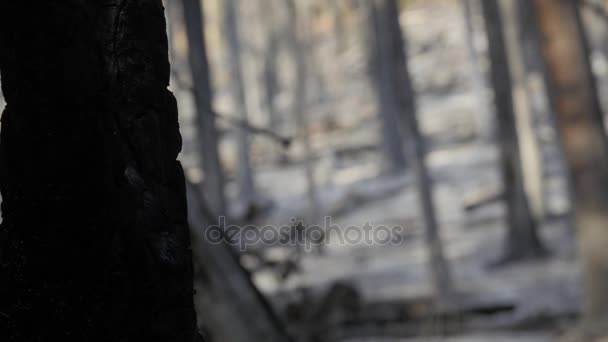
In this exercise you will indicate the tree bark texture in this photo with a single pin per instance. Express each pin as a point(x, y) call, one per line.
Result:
point(94, 243)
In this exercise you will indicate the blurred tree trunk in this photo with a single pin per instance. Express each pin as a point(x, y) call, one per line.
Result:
point(94, 238)
point(298, 32)
point(270, 68)
point(403, 98)
point(575, 101)
point(522, 241)
point(338, 23)
point(233, 308)
point(538, 93)
point(382, 64)
point(213, 182)
point(525, 111)
point(244, 177)
point(485, 123)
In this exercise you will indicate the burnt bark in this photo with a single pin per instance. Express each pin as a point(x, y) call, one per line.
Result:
point(522, 241)
point(94, 243)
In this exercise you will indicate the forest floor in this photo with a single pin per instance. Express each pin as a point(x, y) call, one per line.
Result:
point(541, 294)
point(526, 301)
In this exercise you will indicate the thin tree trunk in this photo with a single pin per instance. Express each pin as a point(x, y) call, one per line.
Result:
point(582, 132)
point(245, 182)
point(298, 16)
point(404, 96)
point(94, 238)
point(485, 125)
point(524, 111)
point(538, 93)
point(270, 69)
point(381, 68)
point(338, 23)
point(522, 241)
point(213, 182)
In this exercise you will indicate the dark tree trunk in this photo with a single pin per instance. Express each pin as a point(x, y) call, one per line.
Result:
point(213, 182)
point(244, 177)
point(538, 92)
point(576, 103)
point(485, 123)
point(402, 96)
point(525, 111)
point(381, 67)
point(271, 85)
point(522, 241)
point(298, 33)
point(94, 238)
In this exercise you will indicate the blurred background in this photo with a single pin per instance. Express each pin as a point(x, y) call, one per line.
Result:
point(441, 117)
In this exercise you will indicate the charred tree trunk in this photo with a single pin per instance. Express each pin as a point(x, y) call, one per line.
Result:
point(403, 97)
point(244, 177)
point(582, 132)
point(213, 182)
point(522, 241)
point(382, 64)
point(94, 238)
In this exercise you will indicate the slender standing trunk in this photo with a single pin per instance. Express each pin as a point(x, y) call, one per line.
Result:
point(524, 110)
point(94, 238)
point(213, 182)
point(403, 95)
point(485, 124)
point(381, 68)
point(582, 132)
point(522, 241)
point(552, 156)
point(245, 182)
point(298, 17)
point(270, 72)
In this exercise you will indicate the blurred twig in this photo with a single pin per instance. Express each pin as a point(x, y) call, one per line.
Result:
point(285, 142)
